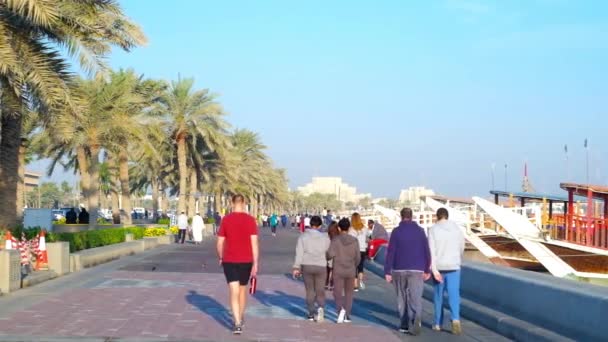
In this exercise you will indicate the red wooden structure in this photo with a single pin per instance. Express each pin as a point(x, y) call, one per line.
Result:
point(590, 229)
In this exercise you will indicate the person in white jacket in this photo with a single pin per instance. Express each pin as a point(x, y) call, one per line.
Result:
point(311, 262)
point(197, 228)
point(446, 242)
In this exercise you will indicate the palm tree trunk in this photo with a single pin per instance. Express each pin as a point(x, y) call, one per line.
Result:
point(85, 177)
point(115, 202)
point(217, 197)
point(93, 195)
point(155, 195)
point(21, 182)
point(10, 128)
point(125, 189)
point(193, 191)
point(183, 174)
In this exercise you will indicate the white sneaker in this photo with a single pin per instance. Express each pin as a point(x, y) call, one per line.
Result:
point(341, 316)
point(361, 285)
point(320, 315)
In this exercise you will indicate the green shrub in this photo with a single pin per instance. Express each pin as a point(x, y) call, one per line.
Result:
point(95, 238)
point(209, 220)
point(164, 221)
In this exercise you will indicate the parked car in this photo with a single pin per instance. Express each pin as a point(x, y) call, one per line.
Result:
point(58, 214)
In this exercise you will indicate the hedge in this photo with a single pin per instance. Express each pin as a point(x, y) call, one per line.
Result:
point(92, 238)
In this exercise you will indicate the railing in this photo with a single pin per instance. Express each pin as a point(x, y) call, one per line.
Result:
point(591, 232)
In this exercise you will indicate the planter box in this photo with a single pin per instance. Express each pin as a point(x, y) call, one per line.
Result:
point(95, 256)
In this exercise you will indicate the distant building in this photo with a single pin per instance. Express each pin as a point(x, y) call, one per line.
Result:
point(31, 181)
point(412, 194)
point(332, 185)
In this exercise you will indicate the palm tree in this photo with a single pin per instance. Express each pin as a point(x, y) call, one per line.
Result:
point(33, 71)
point(192, 116)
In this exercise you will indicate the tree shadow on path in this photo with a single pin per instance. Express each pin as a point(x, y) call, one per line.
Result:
point(210, 307)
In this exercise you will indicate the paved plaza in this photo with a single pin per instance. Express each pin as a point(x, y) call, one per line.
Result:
point(178, 293)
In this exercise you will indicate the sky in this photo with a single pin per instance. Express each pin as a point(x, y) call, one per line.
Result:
point(391, 94)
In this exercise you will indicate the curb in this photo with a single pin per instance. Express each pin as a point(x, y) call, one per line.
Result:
point(508, 326)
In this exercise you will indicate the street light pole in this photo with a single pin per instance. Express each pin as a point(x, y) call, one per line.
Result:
point(493, 170)
point(506, 184)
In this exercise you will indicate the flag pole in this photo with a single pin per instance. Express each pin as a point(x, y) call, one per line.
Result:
point(587, 158)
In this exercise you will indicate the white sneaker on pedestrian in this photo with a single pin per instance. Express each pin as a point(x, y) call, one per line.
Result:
point(320, 315)
point(341, 316)
point(361, 285)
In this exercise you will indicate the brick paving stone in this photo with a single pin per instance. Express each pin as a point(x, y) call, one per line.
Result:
point(183, 300)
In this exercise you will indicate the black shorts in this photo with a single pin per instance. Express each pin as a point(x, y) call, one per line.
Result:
point(240, 272)
point(361, 265)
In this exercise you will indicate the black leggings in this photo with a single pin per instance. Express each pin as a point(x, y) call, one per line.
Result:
point(361, 265)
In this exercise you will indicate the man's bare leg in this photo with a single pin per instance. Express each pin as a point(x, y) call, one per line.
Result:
point(234, 289)
point(242, 301)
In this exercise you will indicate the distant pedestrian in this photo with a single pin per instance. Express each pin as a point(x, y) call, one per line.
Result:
point(307, 221)
point(83, 217)
point(197, 228)
point(332, 231)
point(302, 224)
point(182, 226)
point(407, 266)
point(218, 221)
point(446, 242)
point(284, 220)
point(360, 231)
point(311, 262)
point(329, 217)
point(71, 216)
point(238, 251)
point(274, 222)
point(345, 256)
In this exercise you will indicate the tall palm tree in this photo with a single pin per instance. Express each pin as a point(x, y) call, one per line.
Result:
point(192, 116)
point(33, 35)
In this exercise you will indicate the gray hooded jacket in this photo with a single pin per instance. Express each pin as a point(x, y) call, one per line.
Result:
point(311, 249)
point(344, 251)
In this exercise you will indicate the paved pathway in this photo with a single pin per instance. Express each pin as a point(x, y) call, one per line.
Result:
point(178, 293)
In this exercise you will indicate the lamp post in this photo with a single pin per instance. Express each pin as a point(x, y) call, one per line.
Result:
point(506, 183)
point(493, 171)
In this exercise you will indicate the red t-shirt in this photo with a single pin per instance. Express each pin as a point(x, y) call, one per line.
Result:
point(237, 229)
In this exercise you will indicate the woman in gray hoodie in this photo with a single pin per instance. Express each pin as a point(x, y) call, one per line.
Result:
point(344, 252)
point(311, 262)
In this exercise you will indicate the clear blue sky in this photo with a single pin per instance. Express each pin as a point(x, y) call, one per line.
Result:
point(389, 94)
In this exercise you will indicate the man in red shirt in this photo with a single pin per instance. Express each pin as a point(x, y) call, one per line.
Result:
point(238, 250)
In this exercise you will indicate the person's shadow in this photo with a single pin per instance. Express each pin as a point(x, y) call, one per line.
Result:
point(210, 307)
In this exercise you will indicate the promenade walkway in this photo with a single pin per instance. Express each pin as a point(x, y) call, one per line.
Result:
point(178, 293)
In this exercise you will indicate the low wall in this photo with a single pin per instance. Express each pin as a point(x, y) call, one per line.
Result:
point(528, 306)
point(569, 308)
point(95, 256)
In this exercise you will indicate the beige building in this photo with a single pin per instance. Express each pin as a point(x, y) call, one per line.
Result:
point(332, 185)
point(412, 194)
point(32, 180)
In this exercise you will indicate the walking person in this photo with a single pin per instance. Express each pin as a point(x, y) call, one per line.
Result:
point(238, 251)
point(379, 236)
point(311, 262)
point(182, 225)
point(274, 222)
point(332, 232)
point(407, 266)
point(361, 232)
point(197, 228)
point(446, 242)
point(345, 256)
